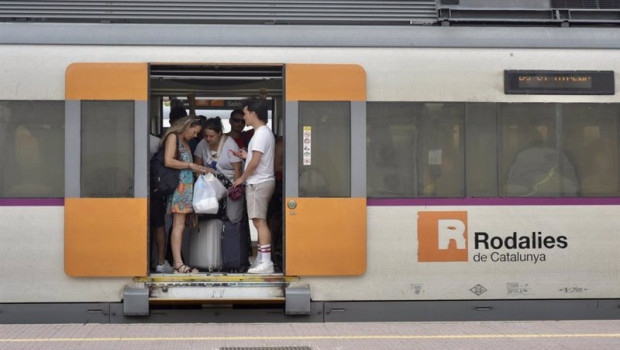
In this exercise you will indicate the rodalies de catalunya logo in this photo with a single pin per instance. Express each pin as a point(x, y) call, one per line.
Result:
point(442, 236)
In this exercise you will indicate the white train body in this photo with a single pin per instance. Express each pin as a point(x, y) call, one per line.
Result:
point(579, 261)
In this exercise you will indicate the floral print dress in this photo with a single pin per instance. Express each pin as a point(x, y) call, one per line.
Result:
point(181, 200)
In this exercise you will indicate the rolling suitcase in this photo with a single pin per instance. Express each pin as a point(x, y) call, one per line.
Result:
point(205, 246)
point(235, 250)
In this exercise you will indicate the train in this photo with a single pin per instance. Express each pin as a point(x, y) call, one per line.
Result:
point(453, 173)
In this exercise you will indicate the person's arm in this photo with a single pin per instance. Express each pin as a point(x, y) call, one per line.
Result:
point(241, 154)
point(230, 148)
point(170, 160)
point(237, 170)
point(256, 156)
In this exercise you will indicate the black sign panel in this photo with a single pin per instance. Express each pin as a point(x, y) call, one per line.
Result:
point(540, 82)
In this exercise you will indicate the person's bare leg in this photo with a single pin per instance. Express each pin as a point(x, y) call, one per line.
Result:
point(160, 240)
point(176, 238)
point(264, 234)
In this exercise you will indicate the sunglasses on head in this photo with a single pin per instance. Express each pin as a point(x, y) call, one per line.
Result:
point(237, 120)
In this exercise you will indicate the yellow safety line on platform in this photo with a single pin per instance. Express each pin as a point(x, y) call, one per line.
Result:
point(318, 337)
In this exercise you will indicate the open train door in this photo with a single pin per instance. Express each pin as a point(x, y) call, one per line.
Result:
point(106, 128)
point(325, 170)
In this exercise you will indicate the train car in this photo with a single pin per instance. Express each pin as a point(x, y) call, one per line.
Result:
point(430, 172)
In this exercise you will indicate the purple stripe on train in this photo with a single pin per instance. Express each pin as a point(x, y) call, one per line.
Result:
point(32, 202)
point(491, 201)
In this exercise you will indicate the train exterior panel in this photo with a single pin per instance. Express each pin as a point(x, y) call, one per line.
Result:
point(393, 74)
point(558, 248)
point(395, 271)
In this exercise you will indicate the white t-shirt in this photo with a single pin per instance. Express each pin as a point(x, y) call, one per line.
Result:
point(225, 159)
point(264, 142)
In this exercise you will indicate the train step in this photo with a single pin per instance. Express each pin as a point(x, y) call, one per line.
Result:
point(216, 288)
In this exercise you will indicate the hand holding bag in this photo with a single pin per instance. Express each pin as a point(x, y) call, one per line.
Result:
point(205, 200)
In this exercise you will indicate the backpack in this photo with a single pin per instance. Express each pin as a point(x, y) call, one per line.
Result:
point(164, 180)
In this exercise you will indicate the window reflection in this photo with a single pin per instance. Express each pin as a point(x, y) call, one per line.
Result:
point(327, 170)
point(590, 134)
point(107, 149)
point(415, 149)
point(534, 163)
point(32, 144)
point(513, 150)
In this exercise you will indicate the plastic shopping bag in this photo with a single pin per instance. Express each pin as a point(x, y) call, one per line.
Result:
point(219, 189)
point(205, 200)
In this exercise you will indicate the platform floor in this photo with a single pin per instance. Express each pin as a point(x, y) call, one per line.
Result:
point(397, 335)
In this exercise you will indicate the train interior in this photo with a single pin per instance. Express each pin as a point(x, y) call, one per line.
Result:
point(217, 91)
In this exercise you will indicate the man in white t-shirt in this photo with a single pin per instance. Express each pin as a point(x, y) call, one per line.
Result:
point(259, 178)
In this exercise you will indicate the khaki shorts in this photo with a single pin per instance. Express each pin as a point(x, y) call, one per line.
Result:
point(258, 197)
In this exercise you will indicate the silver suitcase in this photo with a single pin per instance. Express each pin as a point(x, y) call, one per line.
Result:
point(206, 246)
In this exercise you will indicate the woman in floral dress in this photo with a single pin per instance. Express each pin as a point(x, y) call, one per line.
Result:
point(177, 155)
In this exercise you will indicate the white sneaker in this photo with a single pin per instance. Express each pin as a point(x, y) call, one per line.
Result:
point(164, 268)
point(254, 263)
point(263, 267)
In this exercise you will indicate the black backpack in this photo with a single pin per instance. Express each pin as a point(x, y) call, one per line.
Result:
point(164, 180)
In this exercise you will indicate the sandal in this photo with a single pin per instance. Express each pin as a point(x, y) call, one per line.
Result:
point(185, 269)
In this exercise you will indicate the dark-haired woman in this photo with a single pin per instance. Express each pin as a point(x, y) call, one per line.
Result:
point(177, 155)
point(207, 150)
point(214, 151)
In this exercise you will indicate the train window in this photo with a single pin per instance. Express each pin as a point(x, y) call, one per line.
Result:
point(325, 169)
point(513, 150)
point(532, 161)
point(481, 139)
point(590, 136)
point(441, 150)
point(390, 151)
point(32, 143)
point(107, 159)
point(415, 149)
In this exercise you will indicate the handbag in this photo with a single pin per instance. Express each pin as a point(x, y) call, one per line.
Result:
point(236, 192)
point(164, 180)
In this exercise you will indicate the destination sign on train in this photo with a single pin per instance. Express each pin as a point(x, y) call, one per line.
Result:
point(219, 104)
point(559, 82)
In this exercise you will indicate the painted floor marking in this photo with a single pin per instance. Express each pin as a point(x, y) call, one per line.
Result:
point(318, 337)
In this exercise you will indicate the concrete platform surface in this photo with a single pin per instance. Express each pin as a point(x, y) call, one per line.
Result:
point(304, 336)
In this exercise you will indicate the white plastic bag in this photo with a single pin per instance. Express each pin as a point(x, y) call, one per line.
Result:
point(216, 185)
point(205, 200)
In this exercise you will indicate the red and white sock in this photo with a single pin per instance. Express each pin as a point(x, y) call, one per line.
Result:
point(264, 253)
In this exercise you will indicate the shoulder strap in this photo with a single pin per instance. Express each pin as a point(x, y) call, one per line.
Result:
point(220, 146)
point(176, 151)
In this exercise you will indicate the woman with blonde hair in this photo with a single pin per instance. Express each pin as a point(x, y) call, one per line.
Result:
point(177, 155)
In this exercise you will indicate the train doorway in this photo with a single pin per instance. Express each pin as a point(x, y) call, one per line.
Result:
point(216, 91)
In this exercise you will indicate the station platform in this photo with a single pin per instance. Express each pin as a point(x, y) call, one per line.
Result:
point(505, 335)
